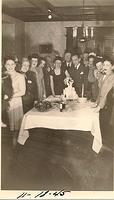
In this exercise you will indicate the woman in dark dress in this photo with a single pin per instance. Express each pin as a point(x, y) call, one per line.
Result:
point(46, 71)
point(57, 77)
point(31, 87)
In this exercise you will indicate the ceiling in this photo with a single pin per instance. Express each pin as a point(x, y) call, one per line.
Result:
point(61, 10)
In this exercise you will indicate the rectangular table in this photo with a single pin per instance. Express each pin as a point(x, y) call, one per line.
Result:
point(76, 116)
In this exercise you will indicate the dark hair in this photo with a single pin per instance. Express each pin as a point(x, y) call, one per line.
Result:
point(33, 55)
point(76, 54)
point(58, 58)
point(40, 60)
point(67, 51)
point(107, 58)
point(91, 56)
point(98, 59)
point(8, 57)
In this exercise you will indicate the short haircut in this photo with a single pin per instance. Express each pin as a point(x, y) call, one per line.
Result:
point(98, 59)
point(67, 51)
point(76, 54)
point(107, 58)
point(91, 56)
point(33, 55)
point(58, 58)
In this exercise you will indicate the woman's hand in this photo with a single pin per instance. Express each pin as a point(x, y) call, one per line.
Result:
point(53, 95)
point(94, 105)
point(97, 109)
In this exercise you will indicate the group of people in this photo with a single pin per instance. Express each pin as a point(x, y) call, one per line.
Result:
point(35, 78)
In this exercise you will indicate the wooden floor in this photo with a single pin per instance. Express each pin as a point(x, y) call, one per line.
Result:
point(56, 160)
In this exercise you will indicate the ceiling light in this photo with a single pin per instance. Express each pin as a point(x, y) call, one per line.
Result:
point(84, 32)
point(49, 16)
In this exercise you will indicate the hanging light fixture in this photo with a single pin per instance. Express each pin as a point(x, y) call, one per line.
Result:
point(84, 32)
point(49, 14)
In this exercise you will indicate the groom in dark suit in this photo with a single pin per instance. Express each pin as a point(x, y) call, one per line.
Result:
point(76, 72)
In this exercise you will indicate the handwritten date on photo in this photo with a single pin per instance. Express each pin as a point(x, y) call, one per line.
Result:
point(26, 195)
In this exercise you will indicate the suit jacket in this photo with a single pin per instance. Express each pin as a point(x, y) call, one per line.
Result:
point(31, 91)
point(77, 76)
point(64, 65)
point(105, 85)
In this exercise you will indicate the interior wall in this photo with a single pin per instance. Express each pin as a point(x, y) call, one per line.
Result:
point(37, 33)
point(24, 38)
point(13, 36)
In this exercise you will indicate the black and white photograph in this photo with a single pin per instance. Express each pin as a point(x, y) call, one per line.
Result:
point(57, 98)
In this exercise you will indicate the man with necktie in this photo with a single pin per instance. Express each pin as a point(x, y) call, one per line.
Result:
point(76, 72)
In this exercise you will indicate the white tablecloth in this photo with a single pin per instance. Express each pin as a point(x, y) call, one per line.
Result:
point(75, 116)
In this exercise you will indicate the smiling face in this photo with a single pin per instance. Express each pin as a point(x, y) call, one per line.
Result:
point(75, 60)
point(85, 56)
point(58, 64)
point(91, 61)
point(107, 67)
point(10, 66)
point(34, 62)
point(67, 57)
point(25, 66)
point(99, 66)
point(42, 64)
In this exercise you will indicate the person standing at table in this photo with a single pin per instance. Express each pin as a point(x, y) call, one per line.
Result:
point(40, 79)
point(76, 72)
point(106, 83)
point(105, 101)
point(92, 79)
point(86, 83)
point(15, 112)
point(67, 60)
point(97, 74)
point(46, 71)
point(31, 86)
point(57, 77)
point(33, 58)
point(37, 65)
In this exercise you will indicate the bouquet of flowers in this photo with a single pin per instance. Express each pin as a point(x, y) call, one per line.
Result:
point(42, 106)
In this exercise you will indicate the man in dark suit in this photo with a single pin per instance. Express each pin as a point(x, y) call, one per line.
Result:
point(76, 73)
point(67, 59)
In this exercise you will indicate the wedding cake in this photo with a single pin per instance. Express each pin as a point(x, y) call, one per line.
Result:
point(69, 92)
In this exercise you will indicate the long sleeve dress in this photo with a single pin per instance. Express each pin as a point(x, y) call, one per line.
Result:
point(58, 82)
point(15, 112)
point(40, 82)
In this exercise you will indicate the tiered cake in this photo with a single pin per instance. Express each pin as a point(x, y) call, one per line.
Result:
point(69, 92)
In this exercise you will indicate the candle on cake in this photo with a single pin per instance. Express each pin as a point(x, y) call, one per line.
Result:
point(82, 90)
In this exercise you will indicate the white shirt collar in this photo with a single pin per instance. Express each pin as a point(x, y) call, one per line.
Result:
point(77, 66)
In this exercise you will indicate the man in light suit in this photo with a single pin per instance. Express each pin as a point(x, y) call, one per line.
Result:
point(105, 83)
point(105, 101)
